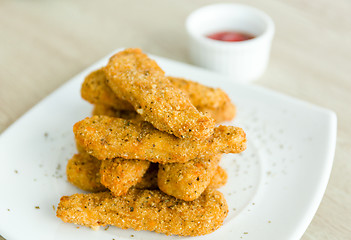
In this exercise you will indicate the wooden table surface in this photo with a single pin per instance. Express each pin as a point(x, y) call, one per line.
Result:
point(44, 43)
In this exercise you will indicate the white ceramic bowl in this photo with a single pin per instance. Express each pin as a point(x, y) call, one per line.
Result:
point(245, 60)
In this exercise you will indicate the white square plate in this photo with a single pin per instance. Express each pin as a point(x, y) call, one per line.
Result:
point(273, 191)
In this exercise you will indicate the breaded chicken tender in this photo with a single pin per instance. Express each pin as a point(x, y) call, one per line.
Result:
point(107, 137)
point(120, 174)
point(149, 180)
point(188, 180)
point(83, 172)
point(206, 99)
point(95, 90)
point(150, 210)
point(88, 179)
point(135, 78)
point(219, 179)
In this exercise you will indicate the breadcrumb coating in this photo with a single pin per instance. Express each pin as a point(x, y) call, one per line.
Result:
point(206, 99)
point(188, 180)
point(213, 101)
point(107, 137)
point(149, 180)
point(135, 78)
point(150, 210)
point(95, 90)
point(120, 174)
point(83, 172)
point(88, 176)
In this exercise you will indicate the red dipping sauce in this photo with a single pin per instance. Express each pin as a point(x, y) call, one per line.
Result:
point(231, 36)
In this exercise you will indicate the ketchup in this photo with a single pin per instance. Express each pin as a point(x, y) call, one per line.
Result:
point(231, 36)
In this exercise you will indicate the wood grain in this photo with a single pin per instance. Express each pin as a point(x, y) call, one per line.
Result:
point(45, 43)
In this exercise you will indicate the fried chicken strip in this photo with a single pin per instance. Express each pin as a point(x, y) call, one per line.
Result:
point(83, 172)
point(150, 210)
point(96, 91)
point(188, 180)
point(149, 180)
point(135, 78)
point(106, 138)
point(120, 174)
point(206, 99)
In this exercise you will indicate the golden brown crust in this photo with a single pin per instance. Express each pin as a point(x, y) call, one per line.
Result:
point(95, 90)
point(146, 210)
point(106, 138)
point(85, 175)
point(119, 174)
point(135, 78)
point(83, 172)
point(206, 99)
point(188, 180)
